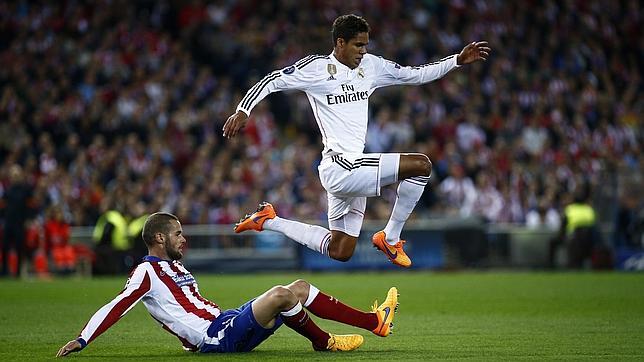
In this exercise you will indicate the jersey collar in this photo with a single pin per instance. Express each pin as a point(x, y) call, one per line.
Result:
point(338, 63)
point(152, 258)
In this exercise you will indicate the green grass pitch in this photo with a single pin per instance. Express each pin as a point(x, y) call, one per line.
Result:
point(442, 316)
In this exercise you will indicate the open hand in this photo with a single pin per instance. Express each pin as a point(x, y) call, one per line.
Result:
point(234, 124)
point(71, 346)
point(472, 52)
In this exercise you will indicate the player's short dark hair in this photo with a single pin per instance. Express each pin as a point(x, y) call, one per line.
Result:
point(348, 27)
point(159, 222)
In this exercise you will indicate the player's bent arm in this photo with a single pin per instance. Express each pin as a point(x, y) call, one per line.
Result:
point(299, 76)
point(137, 286)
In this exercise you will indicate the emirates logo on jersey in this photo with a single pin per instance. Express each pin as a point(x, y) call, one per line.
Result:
point(349, 95)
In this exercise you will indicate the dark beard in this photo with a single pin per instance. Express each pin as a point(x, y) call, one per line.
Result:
point(173, 254)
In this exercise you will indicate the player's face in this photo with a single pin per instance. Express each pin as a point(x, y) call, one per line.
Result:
point(174, 241)
point(350, 53)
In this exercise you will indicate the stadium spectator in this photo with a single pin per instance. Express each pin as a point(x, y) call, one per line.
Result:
point(629, 226)
point(18, 208)
point(111, 242)
point(487, 201)
point(341, 105)
point(579, 232)
point(534, 137)
point(57, 235)
point(35, 256)
point(457, 190)
point(134, 229)
point(117, 234)
point(580, 223)
point(171, 296)
point(544, 216)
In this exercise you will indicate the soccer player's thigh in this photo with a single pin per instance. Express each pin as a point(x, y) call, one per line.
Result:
point(346, 214)
point(367, 181)
point(388, 168)
point(357, 174)
point(242, 333)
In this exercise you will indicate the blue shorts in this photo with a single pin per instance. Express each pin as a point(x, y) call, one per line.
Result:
point(241, 332)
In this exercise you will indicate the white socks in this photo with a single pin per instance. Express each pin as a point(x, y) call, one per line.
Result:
point(409, 192)
point(293, 311)
point(313, 237)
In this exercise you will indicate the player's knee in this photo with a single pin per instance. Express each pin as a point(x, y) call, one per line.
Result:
point(424, 165)
point(282, 296)
point(341, 254)
point(341, 246)
point(300, 284)
point(416, 164)
point(300, 288)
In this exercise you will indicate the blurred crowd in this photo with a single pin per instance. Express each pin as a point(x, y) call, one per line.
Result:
point(119, 105)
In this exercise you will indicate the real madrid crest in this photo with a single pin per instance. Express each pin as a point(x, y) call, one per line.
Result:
point(332, 70)
point(361, 72)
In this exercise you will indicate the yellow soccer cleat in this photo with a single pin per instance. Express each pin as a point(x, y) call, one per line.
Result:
point(395, 253)
point(343, 342)
point(385, 313)
point(256, 221)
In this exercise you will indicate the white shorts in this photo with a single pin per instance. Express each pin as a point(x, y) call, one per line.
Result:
point(350, 178)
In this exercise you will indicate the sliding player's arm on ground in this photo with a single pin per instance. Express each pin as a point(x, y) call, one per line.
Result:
point(137, 286)
point(293, 77)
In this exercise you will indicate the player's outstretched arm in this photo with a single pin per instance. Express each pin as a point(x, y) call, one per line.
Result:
point(71, 346)
point(473, 52)
point(137, 286)
point(234, 124)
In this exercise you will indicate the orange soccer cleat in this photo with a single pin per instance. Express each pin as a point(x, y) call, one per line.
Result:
point(342, 342)
point(395, 253)
point(256, 220)
point(385, 313)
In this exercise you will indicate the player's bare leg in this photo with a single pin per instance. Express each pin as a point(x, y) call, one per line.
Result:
point(414, 171)
point(341, 245)
point(414, 164)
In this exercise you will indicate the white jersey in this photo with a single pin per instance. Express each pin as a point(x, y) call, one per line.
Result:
point(339, 96)
point(171, 296)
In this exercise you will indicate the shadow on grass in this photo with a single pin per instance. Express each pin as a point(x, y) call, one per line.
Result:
point(270, 355)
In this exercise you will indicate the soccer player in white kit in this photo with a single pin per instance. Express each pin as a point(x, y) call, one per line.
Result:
point(338, 87)
point(171, 295)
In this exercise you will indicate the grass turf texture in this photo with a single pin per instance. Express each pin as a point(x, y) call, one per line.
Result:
point(491, 316)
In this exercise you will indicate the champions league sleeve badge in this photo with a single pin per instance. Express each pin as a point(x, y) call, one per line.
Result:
point(332, 71)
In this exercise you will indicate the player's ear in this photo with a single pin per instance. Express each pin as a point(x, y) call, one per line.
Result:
point(159, 238)
point(340, 42)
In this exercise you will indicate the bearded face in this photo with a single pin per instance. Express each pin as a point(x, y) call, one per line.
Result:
point(175, 241)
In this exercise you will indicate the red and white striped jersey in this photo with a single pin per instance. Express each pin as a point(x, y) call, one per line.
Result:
point(339, 96)
point(171, 296)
